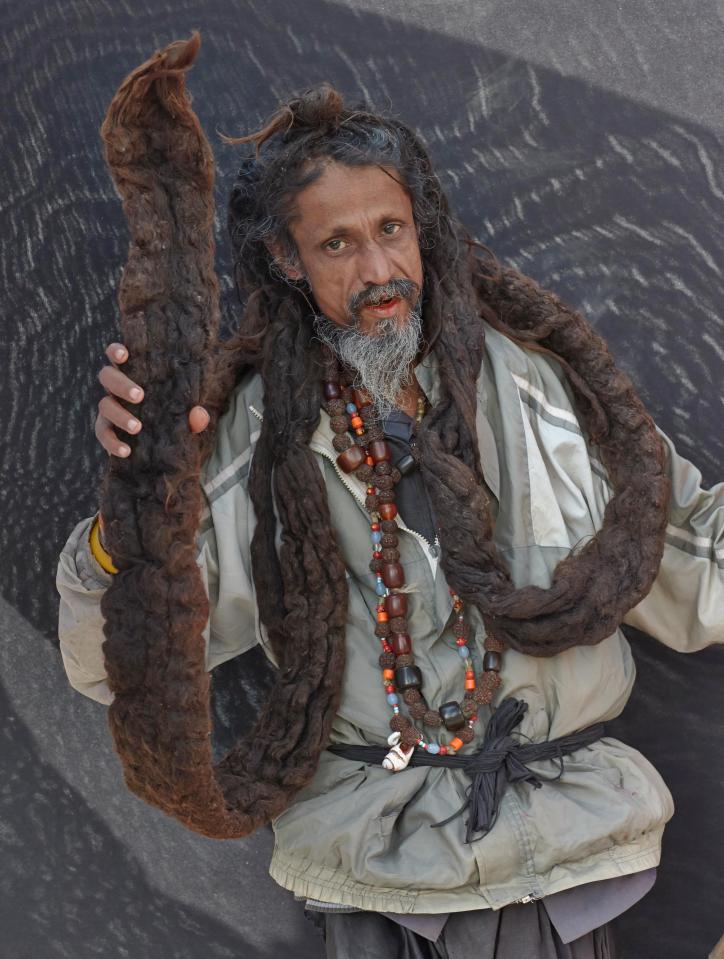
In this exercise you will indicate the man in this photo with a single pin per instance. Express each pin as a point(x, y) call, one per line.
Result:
point(487, 500)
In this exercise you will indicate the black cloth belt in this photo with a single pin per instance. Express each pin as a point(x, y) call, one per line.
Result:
point(500, 760)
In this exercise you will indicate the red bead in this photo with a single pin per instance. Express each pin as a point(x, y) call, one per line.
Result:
point(389, 689)
point(443, 751)
point(401, 644)
point(375, 527)
point(380, 450)
point(360, 399)
point(350, 459)
point(377, 555)
point(387, 510)
point(460, 641)
point(396, 604)
point(393, 575)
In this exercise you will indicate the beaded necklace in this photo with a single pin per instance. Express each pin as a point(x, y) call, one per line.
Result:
point(363, 450)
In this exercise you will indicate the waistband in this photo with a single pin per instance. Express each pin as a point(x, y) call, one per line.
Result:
point(500, 760)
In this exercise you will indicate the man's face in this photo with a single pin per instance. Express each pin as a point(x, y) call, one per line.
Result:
point(355, 233)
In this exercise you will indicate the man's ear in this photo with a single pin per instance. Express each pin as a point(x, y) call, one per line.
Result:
point(292, 270)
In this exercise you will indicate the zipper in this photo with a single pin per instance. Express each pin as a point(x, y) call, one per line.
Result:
point(527, 899)
point(432, 548)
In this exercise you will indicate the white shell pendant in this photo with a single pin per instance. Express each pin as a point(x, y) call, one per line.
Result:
point(396, 759)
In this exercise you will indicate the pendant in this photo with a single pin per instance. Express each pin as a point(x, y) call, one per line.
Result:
point(396, 759)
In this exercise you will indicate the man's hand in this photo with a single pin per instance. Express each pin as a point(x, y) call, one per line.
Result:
point(111, 412)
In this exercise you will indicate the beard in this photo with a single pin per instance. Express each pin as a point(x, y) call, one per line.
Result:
point(381, 361)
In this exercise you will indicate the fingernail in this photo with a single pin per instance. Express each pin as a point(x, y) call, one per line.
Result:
point(124, 450)
point(119, 354)
point(136, 394)
point(133, 424)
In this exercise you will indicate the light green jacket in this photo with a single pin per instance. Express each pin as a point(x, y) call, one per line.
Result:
point(359, 834)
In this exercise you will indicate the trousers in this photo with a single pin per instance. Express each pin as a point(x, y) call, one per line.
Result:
point(517, 931)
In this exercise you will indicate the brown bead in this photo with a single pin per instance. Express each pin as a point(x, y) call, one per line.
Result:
point(380, 450)
point(482, 695)
point(398, 624)
point(384, 482)
point(342, 442)
point(401, 643)
point(375, 433)
point(387, 496)
point(452, 715)
point(347, 395)
point(418, 710)
point(492, 661)
point(339, 424)
point(396, 475)
point(375, 565)
point(332, 391)
point(393, 575)
point(396, 604)
point(388, 511)
point(390, 555)
point(399, 722)
point(362, 439)
point(493, 644)
point(405, 659)
point(491, 680)
point(466, 734)
point(410, 736)
point(351, 459)
point(335, 408)
point(432, 718)
point(389, 541)
point(469, 707)
point(412, 696)
point(371, 501)
point(360, 399)
point(387, 660)
point(389, 526)
point(364, 473)
point(459, 629)
point(382, 629)
point(383, 468)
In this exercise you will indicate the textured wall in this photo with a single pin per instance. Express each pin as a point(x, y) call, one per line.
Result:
point(584, 144)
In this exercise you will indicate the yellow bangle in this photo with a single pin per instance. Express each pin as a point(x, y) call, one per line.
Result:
point(101, 555)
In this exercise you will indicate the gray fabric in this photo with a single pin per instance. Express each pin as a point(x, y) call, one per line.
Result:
point(517, 931)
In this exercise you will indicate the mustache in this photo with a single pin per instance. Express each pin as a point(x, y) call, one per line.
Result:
point(373, 295)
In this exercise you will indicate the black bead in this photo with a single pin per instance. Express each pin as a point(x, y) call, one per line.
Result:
point(491, 661)
point(406, 464)
point(408, 677)
point(452, 715)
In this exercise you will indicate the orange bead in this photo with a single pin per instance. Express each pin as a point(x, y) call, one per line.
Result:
point(360, 430)
point(455, 743)
point(388, 674)
point(470, 684)
point(369, 461)
point(357, 422)
point(469, 674)
point(382, 617)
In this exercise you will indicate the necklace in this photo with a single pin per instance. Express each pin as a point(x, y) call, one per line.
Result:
point(363, 450)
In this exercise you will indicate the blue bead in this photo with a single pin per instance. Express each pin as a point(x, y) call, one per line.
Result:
point(392, 699)
point(376, 536)
point(351, 408)
point(464, 652)
point(380, 588)
point(433, 748)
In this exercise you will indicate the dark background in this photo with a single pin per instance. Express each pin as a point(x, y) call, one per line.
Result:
point(584, 144)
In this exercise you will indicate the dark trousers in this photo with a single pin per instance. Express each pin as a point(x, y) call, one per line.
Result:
point(521, 931)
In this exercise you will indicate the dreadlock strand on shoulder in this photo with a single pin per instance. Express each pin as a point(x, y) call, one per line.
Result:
point(156, 607)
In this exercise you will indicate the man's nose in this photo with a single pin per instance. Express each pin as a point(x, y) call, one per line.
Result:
point(375, 268)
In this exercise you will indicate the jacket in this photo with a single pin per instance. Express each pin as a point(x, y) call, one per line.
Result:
point(359, 835)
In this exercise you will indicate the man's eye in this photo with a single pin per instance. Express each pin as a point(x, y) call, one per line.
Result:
point(330, 245)
point(390, 232)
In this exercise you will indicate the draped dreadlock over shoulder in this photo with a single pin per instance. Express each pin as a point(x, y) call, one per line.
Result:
point(156, 606)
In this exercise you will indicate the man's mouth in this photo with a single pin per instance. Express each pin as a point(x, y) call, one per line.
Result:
point(386, 307)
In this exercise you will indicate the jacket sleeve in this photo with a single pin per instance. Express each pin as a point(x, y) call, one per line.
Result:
point(231, 629)
point(685, 606)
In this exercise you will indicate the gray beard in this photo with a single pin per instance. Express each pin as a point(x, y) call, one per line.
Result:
point(382, 362)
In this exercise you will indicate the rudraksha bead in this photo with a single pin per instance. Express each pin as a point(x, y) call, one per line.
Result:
point(399, 722)
point(459, 629)
point(483, 695)
point(396, 604)
point(469, 707)
point(491, 680)
point(452, 715)
point(386, 496)
point(383, 468)
point(405, 659)
point(412, 696)
point(375, 565)
point(418, 710)
point(342, 442)
point(371, 502)
point(401, 643)
point(389, 540)
point(396, 475)
point(375, 433)
point(390, 555)
point(384, 482)
point(347, 394)
point(382, 629)
point(410, 736)
point(387, 660)
point(336, 408)
point(432, 718)
point(339, 424)
point(466, 734)
point(398, 624)
point(361, 439)
point(493, 644)
point(364, 473)
point(389, 526)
